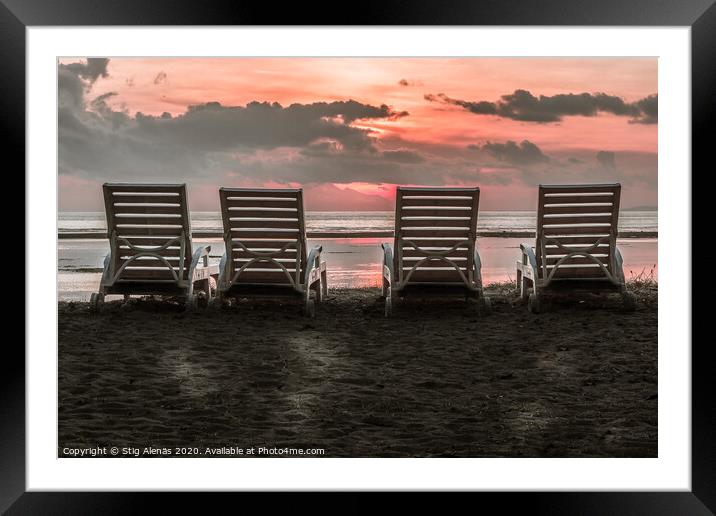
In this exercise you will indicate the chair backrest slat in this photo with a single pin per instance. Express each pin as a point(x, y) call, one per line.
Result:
point(577, 230)
point(268, 223)
point(149, 231)
point(435, 222)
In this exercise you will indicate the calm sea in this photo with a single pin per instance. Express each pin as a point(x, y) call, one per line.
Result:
point(352, 262)
point(349, 222)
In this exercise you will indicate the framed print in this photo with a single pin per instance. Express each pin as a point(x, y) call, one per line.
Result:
point(410, 251)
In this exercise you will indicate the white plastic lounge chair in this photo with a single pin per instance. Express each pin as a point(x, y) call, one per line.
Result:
point(434, 247)
point(576, 244)
point(266, 249)
point(150, 244)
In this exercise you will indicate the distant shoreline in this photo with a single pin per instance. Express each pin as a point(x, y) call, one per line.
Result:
point(101, 235)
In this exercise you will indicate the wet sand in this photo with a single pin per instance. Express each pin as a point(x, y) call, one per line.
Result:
point(437, 379)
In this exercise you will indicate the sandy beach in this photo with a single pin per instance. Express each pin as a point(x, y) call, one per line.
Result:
point(436, 380)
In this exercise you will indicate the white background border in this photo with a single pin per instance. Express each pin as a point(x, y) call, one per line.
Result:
point(671, 470)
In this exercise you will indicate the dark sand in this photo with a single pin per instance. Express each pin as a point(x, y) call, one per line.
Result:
point(435, 380)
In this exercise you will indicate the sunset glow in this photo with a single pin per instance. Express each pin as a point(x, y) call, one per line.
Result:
point(348, 130)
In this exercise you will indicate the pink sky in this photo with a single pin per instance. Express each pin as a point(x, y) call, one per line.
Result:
point(446, 142)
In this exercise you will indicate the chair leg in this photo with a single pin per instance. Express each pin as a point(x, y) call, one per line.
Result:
point(385, 288)
point(324, 283)
point(96, 301)
point(191, 303)
point(216, 302)
point(318, 288)
point(524, 284)
point(534, 303)
point(485, 304)
point(310, 305)
point(388, 302)
point(519, 282)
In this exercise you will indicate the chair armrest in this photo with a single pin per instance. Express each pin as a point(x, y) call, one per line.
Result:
point(530, 254)
point(478, 261)
point(201, 252)
point(478, 266)
point(105, 271)
point(313, 262)
point(222, 266)
point(619, 266)
point(388, 260)
point(387, 255)
point(314, 256)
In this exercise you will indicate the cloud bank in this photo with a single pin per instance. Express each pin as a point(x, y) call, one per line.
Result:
point(525, 153)
point(315, 144)
point(523, 106)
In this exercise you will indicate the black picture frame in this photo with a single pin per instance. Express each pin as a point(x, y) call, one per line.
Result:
point(700, 15)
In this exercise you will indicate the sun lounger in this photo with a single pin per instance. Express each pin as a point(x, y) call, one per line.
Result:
point(434, 248)
point(576, 244)
point(150, 245)
point(266, 248)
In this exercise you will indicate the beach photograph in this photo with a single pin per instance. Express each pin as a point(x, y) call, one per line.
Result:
point(357, 257)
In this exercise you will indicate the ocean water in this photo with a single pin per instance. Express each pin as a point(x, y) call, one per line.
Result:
point(352, 262)
point(350, 222)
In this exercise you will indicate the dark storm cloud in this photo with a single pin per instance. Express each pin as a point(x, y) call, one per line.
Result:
point(160, 78)
point(527, 164)
point(71, 88)
point(525, 153)
point(91, 70)
point(212, 126)
point(479, 108)
point(649, 109)
point(97, 140)
point(524, 106)
point(75, 79)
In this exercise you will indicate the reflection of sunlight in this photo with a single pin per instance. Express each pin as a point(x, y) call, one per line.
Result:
point(497, 170)
point(384, 190)
point(358, 242)
point(369, 276)
point(355, 278)
point(375, 131)
point(352, 262)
